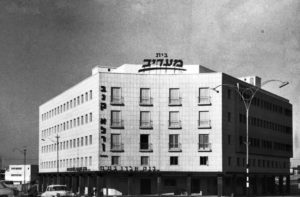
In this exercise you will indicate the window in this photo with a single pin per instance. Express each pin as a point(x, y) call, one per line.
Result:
point(228, 93)
point(116, 144)
point(145, 120)
point(91, 139)
point(91, 117)
point(204, 98)
point(86, 140)
point(173, 160)
point(145, 98)
point(174, 144)
point(115, 160)
point(228, 116)
point(86, 96)
point(91, 94)
point(144, 160)
point(204, 144)
point(144, 143)
point(82, 100)
point(116, 119)
point(174, 122)
point(116, 96)
point(86, 119)
point(82, 141)
point(174, 96)
point(204, 120)
point(203, 160)
point(90, 161)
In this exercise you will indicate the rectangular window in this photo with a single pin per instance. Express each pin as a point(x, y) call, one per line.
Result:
point(91, 139)
point(174, 96)
point(115, 160)
point(91, 94)
point(78, 143)
point(91, 117)
point(82, 142)
point(173, 160)
point(116, 119)
point(174, 121)
point(203, 160)
point(145, 97)
point(90, 161)
point(174, 144)
point(204, 97)
point(86, 119)
point(228, 116)
point(116, 96)
point(144, 160)
point(145, 120)
point(71, 144)
point(204, 144)
point(116, 142)
point(86, 140)
point(86, 96)
point(228, 93)
point(204, 120)
point(144, 142)
point(82, 100)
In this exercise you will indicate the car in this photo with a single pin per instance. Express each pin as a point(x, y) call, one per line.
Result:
point(6, 191)
point(56, 190)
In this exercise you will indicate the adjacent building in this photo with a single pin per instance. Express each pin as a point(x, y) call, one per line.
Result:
point(21, 174)
point(161, 129)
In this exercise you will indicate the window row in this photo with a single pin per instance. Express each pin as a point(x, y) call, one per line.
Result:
point(175, 98)
point(174, 144)
point(68, 105)
point(145, 160)
point(68, 163)
point(69, 144)
point(266, 144)
point(146, 122)
point(266, 124)
point(81, 120)
point(260, 163)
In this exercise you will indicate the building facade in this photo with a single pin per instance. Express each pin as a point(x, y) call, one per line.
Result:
point(158, 130)
point(21, 174)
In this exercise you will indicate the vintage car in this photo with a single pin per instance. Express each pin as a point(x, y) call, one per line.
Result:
point(56, 190)
point(6, 191)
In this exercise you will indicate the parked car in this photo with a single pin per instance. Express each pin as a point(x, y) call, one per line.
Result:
point(6, 191)
point(56, 190)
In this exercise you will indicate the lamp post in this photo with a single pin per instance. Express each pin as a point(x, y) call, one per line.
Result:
point(247, 94)
point(24, 151)
point(57, 154)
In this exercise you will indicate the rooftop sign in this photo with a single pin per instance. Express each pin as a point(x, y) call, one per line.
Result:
point(162, 62)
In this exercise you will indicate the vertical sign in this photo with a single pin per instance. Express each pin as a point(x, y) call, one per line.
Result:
point(103, 120)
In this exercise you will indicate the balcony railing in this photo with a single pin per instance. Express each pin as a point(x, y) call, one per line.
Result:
point(204, 147)
point(146, 101)
point(119, 124)
point(146, 147)
point(117, 147)
point(117, 100)
point(204, 100)
point(146, 125)
point(175, 101)
point(204, 124)
point(175, 147)
point(175, 125)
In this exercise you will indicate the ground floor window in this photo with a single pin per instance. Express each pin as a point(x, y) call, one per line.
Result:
point(115, 160)
point(144, 160)
point(173, 160)
point(204, 160)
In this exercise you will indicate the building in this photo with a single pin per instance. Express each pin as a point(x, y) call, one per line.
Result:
point(18, 175)
point(160, 129)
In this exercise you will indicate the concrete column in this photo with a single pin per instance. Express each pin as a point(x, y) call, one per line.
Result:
point(280, 185)
point(74, 185)
point(158, 185)
point(99, 185)
point(81, 184)
point(288, 184)
point(220, 185)
point(129, 183)
point(188, 184)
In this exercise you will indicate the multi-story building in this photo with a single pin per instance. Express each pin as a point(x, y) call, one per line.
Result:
point(155, 129)
point(21, 174)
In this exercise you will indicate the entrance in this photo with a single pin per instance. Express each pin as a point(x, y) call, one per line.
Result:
point(195, 186)
point(145, 186)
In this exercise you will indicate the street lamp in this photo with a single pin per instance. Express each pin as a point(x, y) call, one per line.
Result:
point(24, 153)
point(247, 94)
point(57, 154)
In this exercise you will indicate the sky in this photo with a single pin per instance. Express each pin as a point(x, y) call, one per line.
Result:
point(47, 46)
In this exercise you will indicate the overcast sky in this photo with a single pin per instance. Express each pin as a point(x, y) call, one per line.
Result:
point(47, 46)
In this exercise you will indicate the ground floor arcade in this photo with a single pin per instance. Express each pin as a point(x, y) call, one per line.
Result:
point(163, 183)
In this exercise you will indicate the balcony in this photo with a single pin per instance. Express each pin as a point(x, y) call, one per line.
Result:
point(175, 101)
point(146, 101)
point(146, 125)
point(204, 124)
point(175, 125)
point(175, 147)
point(117, 147)
point(117, 100)
point(146, 147)
point(118, 124)
point(204, 147)
point(204, 100)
